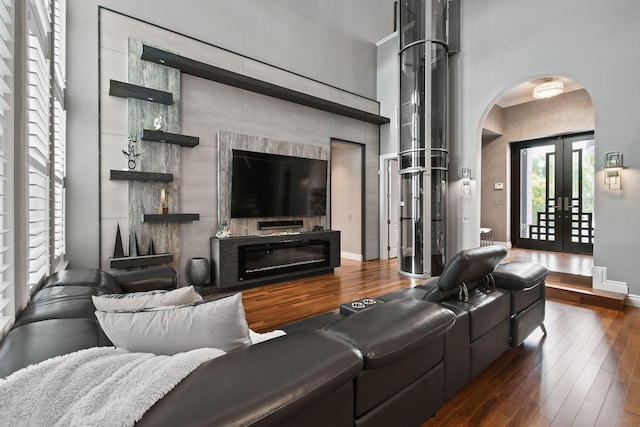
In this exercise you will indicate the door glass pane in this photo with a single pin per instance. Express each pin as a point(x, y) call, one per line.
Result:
point(582, 184)
point(537, 194)
point(411, 216)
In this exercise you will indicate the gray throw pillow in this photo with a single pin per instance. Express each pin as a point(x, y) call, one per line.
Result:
point(169, 330)
point(140, 300)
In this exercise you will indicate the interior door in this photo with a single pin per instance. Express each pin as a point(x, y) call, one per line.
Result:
point(553, 193)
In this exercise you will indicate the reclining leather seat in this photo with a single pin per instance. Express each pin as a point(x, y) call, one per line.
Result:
point(481, 331)
point(60, 318)
point(402, 345)
point(525, 282)
point(67, 294)
point(303, 379)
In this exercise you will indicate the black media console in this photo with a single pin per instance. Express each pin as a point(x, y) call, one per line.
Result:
point(254, 260)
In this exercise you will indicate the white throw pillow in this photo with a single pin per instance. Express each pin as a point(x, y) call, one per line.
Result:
point(141, 300)
point(169, 330)
point(257, 337)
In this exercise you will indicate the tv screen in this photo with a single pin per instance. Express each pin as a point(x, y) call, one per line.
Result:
point(272, 185)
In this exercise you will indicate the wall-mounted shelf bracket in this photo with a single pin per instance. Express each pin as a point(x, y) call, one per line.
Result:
point(141, 261)
point(129, 175)
point(169, 138)
point(176, 217)
point(220, 75)
point(129, 90)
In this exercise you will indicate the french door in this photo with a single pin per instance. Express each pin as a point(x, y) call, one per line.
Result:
point(552, 184)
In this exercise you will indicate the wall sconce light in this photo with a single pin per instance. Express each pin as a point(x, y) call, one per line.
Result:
point(613, 170)
point(465, 185)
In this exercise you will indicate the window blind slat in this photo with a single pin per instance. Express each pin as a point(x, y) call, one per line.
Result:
point(7, 256)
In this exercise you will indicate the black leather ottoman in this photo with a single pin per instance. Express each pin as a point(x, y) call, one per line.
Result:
point(525, 283)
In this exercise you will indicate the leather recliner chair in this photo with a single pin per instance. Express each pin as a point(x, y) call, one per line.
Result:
point(482, 328)
point(525, 283)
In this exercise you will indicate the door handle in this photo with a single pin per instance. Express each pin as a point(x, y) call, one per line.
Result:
point(559, 204)
point(567, 205)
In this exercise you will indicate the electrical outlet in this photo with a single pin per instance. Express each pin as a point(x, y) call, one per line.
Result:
point(465, 218)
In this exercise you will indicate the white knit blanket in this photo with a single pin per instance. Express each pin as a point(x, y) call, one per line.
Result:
point(101, 386)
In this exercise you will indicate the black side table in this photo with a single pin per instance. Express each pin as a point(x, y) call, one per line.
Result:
point(359, 305)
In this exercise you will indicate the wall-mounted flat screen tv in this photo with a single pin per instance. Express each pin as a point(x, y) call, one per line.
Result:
point(273, 185)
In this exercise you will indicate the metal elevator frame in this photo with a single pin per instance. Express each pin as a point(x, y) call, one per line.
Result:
point(424, 35)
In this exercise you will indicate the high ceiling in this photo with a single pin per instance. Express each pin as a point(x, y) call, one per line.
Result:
point(523, 92)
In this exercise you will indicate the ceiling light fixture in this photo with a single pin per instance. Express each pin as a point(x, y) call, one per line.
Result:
point(548, 88)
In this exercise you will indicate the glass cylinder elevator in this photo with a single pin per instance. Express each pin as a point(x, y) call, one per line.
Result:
point(422, 151)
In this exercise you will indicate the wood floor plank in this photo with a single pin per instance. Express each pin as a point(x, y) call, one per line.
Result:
point(595, 397)
point(540, 421)
point(610, 410)
point(632, 398)
point(586, 417)
point(628, 419)
point(630, 353)
point(570, 407)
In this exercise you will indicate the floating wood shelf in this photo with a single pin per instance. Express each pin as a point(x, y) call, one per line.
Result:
point(169, 138)
point(177, 217)
point(141, 261)
point(220, 75)
point(118, 175)
point(128, 90)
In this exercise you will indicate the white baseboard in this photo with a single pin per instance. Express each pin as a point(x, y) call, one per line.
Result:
point(600, 282)
point(633, 300)
point(351, 256)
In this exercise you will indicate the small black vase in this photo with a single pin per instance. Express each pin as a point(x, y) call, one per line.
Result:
point(198, 271)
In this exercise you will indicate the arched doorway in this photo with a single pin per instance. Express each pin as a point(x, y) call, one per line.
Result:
point(517, 118)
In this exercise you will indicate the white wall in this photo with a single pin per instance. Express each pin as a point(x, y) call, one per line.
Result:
point(388, 87)
point(327, 41)
point(505, 42)
point(346, 197)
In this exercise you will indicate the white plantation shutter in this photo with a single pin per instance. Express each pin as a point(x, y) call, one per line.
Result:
point(39, 139)
point(43, 82)
point(59, 132)
point(59, 171)
point(38, 136)
point(7, 260)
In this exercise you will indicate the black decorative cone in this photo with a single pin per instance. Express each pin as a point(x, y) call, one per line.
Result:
point(118, 251)
point(133, 245)
point(152, 249)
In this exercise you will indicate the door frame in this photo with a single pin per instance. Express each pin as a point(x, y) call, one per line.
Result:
point(558, 245)
point(384, 231)
point(362, 212)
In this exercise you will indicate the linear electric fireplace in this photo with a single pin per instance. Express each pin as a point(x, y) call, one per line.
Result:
point(266, 259)
point(252, 260)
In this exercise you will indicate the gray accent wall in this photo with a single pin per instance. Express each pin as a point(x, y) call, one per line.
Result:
point(208, 110)
point(328, 42)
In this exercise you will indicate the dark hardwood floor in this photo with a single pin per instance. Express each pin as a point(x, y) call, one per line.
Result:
point(585, 372)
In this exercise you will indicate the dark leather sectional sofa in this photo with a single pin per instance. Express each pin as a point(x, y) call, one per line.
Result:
point(395, 363)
